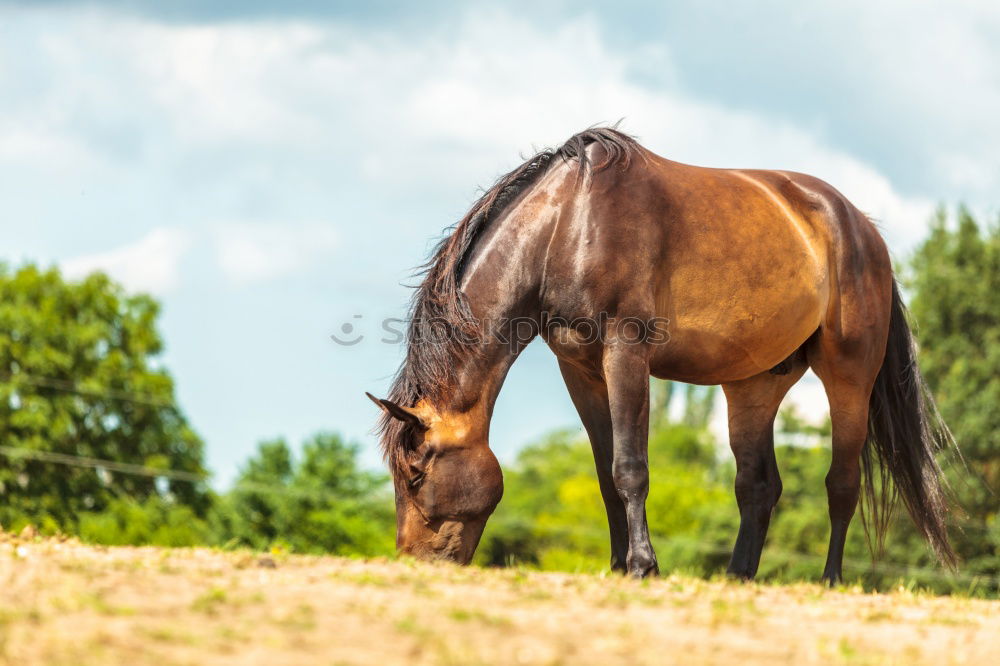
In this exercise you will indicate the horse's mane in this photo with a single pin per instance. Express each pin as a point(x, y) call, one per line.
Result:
point(441, 322)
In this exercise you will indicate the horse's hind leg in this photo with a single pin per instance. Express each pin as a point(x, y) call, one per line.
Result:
point(590, 396)
point(848, 371)
point(753, 404)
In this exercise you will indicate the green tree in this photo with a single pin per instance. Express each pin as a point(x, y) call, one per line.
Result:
point(954, 277)
point(699, 403)
point(661, 394)
point(552, 515)
point(321, 503)
point(255, 512)
point(80, 375)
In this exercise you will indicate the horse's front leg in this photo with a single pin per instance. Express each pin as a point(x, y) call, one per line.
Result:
point(590, 396)
point(626, 370)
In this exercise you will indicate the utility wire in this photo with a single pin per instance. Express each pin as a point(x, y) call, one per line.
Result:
point(158, 472)
point(98, 463)
point(72, 387)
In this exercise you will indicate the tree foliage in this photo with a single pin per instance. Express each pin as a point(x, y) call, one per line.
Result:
point(552, 514)
point(955, 281)
point(321, 502)
point(80, 374)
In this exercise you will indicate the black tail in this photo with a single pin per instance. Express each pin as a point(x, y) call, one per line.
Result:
point(905, 433)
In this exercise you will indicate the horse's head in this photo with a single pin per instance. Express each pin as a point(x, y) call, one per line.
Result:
point(447, 482)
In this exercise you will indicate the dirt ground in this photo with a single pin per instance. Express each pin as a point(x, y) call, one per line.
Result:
point(62, 602)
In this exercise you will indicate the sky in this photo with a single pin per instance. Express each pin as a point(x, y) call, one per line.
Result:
point(272, 171)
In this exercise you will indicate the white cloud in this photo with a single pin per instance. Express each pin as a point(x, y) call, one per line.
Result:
point(254, 252)
point(567, 80)
point(152, 264)
point(440, 113)
point(54, 151)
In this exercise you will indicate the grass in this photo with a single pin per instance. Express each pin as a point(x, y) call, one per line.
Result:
point(64, 602)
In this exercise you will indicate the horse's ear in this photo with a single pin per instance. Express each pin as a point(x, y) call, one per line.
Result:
point(404, 414)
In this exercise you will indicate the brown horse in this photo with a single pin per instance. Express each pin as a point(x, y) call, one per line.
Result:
point(631, 265)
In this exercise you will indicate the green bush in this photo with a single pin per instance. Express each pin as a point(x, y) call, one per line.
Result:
point(155, 521)
point(322, 503)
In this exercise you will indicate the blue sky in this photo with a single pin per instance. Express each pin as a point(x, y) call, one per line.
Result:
point(273, 170)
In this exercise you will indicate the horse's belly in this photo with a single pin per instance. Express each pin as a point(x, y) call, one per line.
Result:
point(732, 330)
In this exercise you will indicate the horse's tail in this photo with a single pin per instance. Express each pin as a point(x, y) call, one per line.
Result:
point(905, 432)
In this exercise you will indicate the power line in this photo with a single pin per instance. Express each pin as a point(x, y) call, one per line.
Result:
point(158, 472)
point(72, 387)
point(99, 463)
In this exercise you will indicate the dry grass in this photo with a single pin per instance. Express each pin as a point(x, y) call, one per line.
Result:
point(66, 603)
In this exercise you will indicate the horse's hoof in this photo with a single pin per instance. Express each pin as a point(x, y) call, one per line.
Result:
point(644, 569)
point(741, 571)
point(741, 576)
point(619, 564)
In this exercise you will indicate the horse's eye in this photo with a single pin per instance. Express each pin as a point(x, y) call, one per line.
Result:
point(416, 479)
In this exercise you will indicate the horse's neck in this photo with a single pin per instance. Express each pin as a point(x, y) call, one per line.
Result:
point(504, 269)
point(501, 284)
point(478, 380)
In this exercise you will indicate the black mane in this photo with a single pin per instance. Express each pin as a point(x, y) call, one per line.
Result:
point(438, 303)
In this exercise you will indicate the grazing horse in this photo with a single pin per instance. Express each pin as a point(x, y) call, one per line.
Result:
point(630, 265)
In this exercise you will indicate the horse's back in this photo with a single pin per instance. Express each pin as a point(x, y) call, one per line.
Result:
point(745, 265)
point(745, 276)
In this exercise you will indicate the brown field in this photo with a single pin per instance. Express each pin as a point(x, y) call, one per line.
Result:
point(62, 602)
